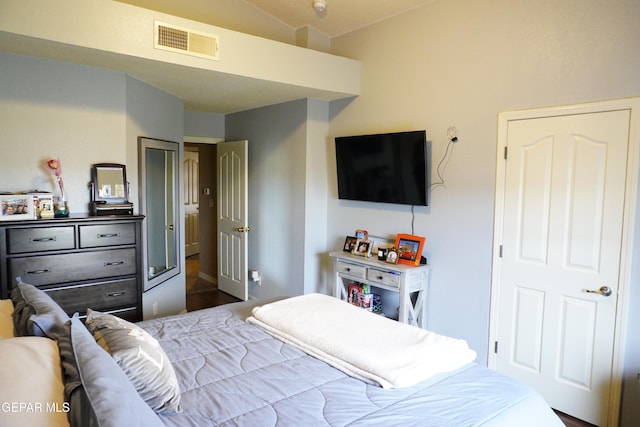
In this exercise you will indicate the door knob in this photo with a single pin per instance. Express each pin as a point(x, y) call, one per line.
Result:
point(243, 229)
point(605, 291)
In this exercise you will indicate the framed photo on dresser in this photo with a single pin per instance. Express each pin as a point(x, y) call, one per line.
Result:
point(16, 207)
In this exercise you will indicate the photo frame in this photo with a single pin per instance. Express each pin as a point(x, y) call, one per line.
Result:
point(363, 248)
point(362, 234)
point(350, 244)
point(14, 207)
point(353, 296)
point(409, 248)
point(392, 256)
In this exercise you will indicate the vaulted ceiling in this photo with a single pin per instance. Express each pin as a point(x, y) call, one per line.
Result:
point(339, 17)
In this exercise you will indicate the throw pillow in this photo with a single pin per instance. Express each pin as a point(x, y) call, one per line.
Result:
point(98, 392)
point(140, 357)
point(36, 313)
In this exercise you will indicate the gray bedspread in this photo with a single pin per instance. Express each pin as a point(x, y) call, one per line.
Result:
point(231, 373)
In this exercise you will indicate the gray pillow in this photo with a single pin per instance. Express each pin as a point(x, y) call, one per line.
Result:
point(140, 357)
point(98, 392)
point(35, 313)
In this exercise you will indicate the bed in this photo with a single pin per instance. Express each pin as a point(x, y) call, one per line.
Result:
point(217, 369)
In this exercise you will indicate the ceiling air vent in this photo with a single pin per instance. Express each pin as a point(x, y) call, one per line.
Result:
point(183, 40)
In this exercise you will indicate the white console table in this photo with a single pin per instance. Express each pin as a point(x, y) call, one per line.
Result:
point(401, 278)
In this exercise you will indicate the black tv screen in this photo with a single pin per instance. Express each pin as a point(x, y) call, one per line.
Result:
point(385, 168)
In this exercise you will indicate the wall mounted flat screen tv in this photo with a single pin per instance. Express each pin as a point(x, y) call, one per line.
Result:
point(385, 168)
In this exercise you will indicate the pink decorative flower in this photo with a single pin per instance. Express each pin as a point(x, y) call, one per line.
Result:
point(56, 168)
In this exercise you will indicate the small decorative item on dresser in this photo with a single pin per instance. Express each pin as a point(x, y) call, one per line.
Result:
point(42, 203)
point(45, 209)
point(363, 248)
point(61, 209)
point(349, 244)
point(382, 253)
point(409, 248)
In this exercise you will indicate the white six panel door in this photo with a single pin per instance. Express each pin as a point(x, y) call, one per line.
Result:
point(562, 231)
point(191, 203)
point(232, 218)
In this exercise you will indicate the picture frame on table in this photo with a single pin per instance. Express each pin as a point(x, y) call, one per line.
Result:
point(14, 207)
point(392, 256)
point(409, 248)
point(363, 248)
point(350, 244)
point(362, 234)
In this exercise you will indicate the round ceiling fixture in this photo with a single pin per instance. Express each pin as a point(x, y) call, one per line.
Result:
point(319, 5)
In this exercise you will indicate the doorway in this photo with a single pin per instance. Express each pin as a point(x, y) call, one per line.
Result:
point(201, 265)
point(565, 204)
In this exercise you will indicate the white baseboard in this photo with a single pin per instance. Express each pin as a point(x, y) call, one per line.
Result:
point(208, 278)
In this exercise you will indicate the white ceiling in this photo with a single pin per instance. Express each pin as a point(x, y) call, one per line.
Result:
point(340, 16)
point(222, 93)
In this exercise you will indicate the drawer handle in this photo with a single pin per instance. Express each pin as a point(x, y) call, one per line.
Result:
point(107, 235)
point(43, 271)
point(43, 239)
point(380, 277)
point(347, 269)
point(113, 263)
point(116, 294)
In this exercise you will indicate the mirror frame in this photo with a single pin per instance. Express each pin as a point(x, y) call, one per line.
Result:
point(95, 185)
point(152, 277)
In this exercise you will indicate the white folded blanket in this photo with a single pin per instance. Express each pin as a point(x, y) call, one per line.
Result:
point(364, 345)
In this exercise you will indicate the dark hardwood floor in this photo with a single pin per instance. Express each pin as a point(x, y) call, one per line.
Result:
point(570, 421)
point(200, 293)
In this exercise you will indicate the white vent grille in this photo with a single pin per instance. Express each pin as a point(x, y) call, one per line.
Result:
point(186, 41)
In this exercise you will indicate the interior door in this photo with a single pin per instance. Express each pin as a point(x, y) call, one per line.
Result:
point(191, 202)
point(233, 227)
point(558, 274)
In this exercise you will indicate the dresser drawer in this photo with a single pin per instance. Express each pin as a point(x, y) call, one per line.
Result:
point(130, 314)
point(94, 236)
point(385, 277)
point(352, 269)
point(103, 296)
point(22, 240)
point(53, 269)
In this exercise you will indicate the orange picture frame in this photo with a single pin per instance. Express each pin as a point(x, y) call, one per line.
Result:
point(409, 248)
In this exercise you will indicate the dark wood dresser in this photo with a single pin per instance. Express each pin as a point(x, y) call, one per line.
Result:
point(81, 262)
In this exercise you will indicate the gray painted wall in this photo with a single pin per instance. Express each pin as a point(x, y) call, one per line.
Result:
point(461, 63)
point(281, 140)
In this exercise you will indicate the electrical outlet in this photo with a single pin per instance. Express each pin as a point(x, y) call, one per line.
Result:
point(155, 309)
point(452, 134)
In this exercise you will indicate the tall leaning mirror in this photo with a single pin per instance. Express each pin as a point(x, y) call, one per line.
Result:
point(158, 169)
